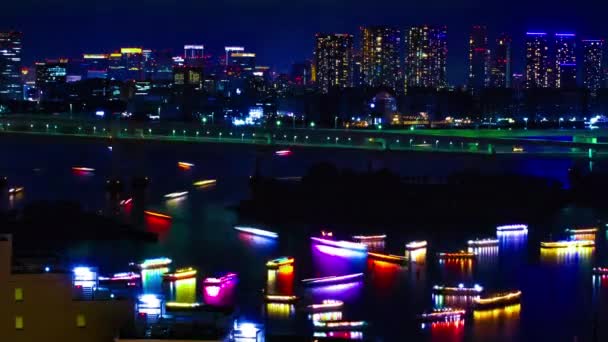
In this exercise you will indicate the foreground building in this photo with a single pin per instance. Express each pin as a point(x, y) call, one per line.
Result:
point(39, 304)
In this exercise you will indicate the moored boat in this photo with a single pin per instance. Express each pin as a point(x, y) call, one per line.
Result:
point(459, 290)
point(442, 315)
point(567, 244)
point(497, 299)
point(460, 255)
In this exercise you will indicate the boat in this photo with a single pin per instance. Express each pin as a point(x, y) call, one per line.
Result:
point(283, 153)
point(182, 273)
point(155, 263)
point(333, 279)
point(258, 232)
point(591, 230)
point(126, 202)
point(341, 244)
point(326, 305)
point(280, 299)
point(410, 246)
point(567, 244)
point(339, 325)
point(184, 165)
point(600, 271)
point(205, 183)
point(128, 278)
point(176, 194)
point(220, 279)
point(82, 169)
point(456, 255)
point(178, 306)
point(497, 299)
point(157, 214)
point(459, 290)
point(280, 262)
point(483, 242)
point(369, 238)
point(518, 149)
point(512, 228)
point(15, 190)
point(395, 259)
point(442, 315)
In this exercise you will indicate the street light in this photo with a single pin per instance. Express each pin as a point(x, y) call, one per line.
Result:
point(560, 122)
point(336, 122)
point(312, 124)
point(526, 121)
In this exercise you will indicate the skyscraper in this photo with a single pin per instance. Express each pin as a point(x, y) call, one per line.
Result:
point(500, 75)
point(427, 57)
point(479, 58)
point(537, 60)
point(333, 61)
point(381, 46)
point(593, 57)
point(10, 66)
point(564, 75)
point(193, 55)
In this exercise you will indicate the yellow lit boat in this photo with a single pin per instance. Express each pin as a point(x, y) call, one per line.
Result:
point(205, 183)
point(184, 165)
point(369, 238)
point(280, 262)
point(567, 244)
point(280, 298)
point(497, 299)
point(416, 245)
point(178, 306)
point(395, 259)
point(157, 215)
point(15, 190)
point(591, 230)
point(183, 273)
point(456, 255)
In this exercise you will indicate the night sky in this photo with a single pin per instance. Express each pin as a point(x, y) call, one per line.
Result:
point(279, 31)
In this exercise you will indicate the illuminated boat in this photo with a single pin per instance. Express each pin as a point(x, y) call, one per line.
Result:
point(157, 215)
point(283, 153)
point(591, 230)
point(411, 246)
point(325, 233)
point(205, 183)
point(600, 271)
point(512, 228)
point(332, 280)
point(280, 299)
point(456, 255)
point(327, 305)
point(82, 169)
point(460, 290)
point(483, 242)
point(127, 278)
point(176, 194)
point(341, 244)
point(126, 201)
point(182, 273)
point(15, 190)
point(567, 244)
point(369, 238)
point(280, 262)
point(497, 299)
point(339, 325)
point(395, 259)
point(155, 263)
point(178, 306)
point(258, 232)
point(442, 315)
point(184, 165)
point(220, 279)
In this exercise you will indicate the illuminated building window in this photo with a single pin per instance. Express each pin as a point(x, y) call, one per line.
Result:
point(18, 294)
point(19, 322)
point(81, 321)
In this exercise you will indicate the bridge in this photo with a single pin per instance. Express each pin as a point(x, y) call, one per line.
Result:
point(567, 142)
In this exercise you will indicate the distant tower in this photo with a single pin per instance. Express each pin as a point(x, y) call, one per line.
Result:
point(194, 55)
point(593, 56)
point(537, 60)
point(500, 75)
point(381, 46)
point(479, 58)
point(10, 65)
point(427, 57)
point(564, 75)
point(334, 61)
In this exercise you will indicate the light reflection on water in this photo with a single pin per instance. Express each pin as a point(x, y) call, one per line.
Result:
point(279, 311)
point(152, 280)
point(580, 255)
point(183, 290)
point(497, 324)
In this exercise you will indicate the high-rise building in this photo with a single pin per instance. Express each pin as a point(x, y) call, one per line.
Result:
point(593, 57)
point(51, 72)
point(95, 65)
point(564, 72)
point(500, 75)
point(479, 58)
point(301, 73)
point(381, 47)
point(333, 61)
point(10, 66)
point(538, 67)
point(194, 55)
point(231, 49)
point(427, 57)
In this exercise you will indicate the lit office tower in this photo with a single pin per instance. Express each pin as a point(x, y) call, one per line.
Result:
point(500, 75)
point(479, 58)
point(564, 75)
point(381, 47)
point(427, 57)
point(333, 61)
point(593, 56)
point(193, 55)
point(10, 66)
point(538, 66)
point(231, 49)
